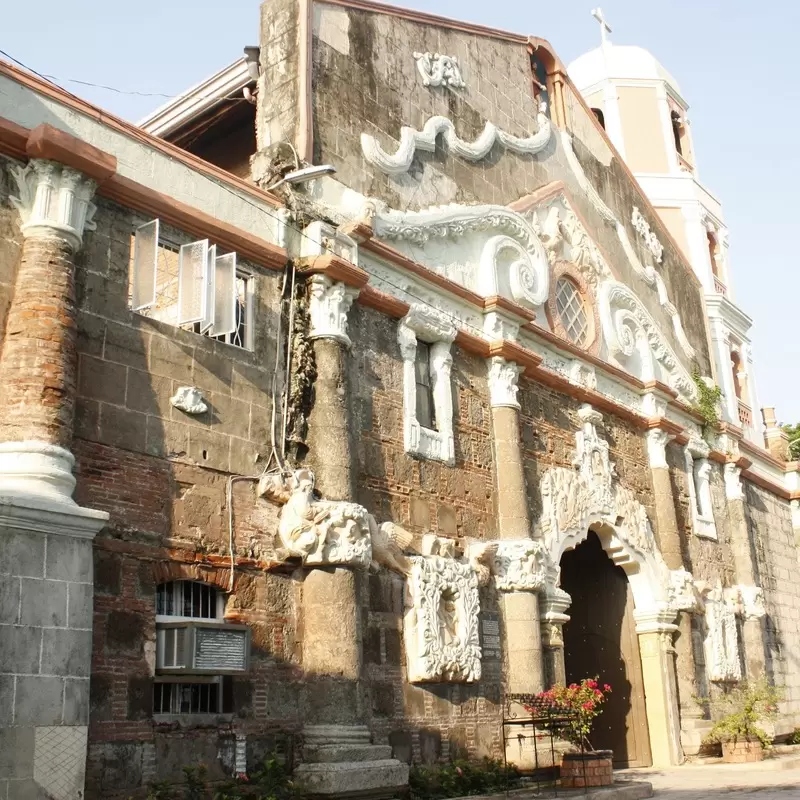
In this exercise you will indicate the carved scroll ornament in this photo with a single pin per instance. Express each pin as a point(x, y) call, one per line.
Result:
point(436, 69)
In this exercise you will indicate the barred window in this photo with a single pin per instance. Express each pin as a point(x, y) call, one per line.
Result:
point(426, 415)
point(213, 697)
point(189, 600)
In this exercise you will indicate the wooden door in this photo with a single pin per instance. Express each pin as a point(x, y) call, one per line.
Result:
point(600, 639)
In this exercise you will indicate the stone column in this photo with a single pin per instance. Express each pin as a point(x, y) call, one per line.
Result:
point(746, 569)
point(520, 609)
point(45, 538)
point(655, 630)
point(554, 617)
point(693, 726)
point(339, 759)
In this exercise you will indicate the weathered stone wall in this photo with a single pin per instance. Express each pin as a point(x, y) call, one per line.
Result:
point(772, 539)
point(162, 475)
point(365, 80)
point(418, 494)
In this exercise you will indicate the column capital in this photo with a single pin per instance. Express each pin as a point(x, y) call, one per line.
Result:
point(54, 200)
point(656, 620)
point(657, 441)
point(503, 382)
point(329, 303)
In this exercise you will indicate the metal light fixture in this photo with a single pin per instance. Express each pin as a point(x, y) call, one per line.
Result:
point(304, 174)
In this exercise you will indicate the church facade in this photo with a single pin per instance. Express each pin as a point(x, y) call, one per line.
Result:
point(334, 468)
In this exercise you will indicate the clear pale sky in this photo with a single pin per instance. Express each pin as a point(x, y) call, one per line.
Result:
point(736, 62)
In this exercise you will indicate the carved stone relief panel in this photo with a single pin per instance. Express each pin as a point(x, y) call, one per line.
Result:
point(441, 621)
point(436, 69)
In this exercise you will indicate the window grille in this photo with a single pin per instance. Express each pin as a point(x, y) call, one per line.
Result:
point(188, 599)
point(571, 311)
point(191, 286)
point(190, 698)
point(426, 415)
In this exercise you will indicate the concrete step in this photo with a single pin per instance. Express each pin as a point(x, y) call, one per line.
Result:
point(332, 753)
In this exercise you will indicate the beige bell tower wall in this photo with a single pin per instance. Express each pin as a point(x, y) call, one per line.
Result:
point(643, 129)
point(675, 223)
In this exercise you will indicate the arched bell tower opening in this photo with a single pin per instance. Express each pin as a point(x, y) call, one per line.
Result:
point(600, 639)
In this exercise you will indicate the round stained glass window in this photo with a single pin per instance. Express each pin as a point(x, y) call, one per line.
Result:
point(571, 311)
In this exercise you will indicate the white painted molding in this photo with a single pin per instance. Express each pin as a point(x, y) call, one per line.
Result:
point(630, 330)
point(321, 238)
point(429, 325)
point(503, 382)
point(441, 621)
point(436, 69)
point(329, 304)
point(190, 400)
point(54, 200)
point(642, 227)
point(514, 255)
point(412, 140)
point(657, 441)
point(647, 273)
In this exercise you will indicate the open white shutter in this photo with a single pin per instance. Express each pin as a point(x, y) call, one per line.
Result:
point(225, 295)
point(145, 265)
point(192, 273)
point(208, 311)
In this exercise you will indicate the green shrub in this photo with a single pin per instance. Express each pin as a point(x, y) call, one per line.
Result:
point(740, 709)
point(794, 737)
point(460, 778)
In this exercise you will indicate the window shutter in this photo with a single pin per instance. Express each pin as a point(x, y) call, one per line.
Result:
point(192, 274)
point(208, 315)
point(225, 297)
point(145, 264)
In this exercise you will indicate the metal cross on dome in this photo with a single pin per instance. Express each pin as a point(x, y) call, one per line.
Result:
point(605, 28)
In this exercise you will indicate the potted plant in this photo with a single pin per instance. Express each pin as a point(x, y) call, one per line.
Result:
point(569, 711)
point(738, 712)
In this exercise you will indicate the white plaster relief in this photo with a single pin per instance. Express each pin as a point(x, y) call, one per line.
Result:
point(733, 482)
point(412, 140)
point(190, 400)
point(512, 260)
point(329, 304)
point(581, 374)
point(320, 532)
point(321, 238)
point(426, 324)
point(642, 227)
point(684, 594)
point(575, 499)
point(441, 621)
point(503, 382)
point(630, 332)
point(54, 200)
point(698, 474)
point(436, 69)
point(723, 662)
point(648, 273)
point(657, 441)
point(521, 565)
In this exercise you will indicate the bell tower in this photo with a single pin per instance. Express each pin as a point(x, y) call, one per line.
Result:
point(644, 114)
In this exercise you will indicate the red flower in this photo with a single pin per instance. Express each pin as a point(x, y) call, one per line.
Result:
point(588, 706)
point(606, 687)
point(592, 684)
point(598, 693)
point(573, 686)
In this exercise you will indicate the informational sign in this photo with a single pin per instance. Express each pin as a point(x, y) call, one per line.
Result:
point(490, 635)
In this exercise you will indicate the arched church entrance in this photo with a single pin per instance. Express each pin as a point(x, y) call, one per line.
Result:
point(600, 639)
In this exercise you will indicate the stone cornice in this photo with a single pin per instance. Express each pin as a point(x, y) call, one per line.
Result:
point(336, 268)
point(135, 195)
point(48, 142)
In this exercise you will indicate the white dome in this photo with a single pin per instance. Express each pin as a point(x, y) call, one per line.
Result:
point(621, 62)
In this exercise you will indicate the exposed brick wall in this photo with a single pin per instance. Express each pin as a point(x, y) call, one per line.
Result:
point(418, 494)
point(10, 244)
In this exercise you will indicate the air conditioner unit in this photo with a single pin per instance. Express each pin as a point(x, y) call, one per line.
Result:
point(201, 648)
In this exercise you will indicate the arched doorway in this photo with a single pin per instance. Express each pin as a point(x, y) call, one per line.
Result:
point(600, 639)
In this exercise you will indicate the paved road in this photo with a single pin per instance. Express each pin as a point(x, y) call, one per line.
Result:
point(766, 781)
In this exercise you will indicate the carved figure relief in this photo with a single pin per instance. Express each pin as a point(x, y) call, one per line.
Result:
point(436, 69)
point(722, 637)
point(642, 227)
point(318, 531)
point(520, 566)
point(441, 621)
point(412, 140)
